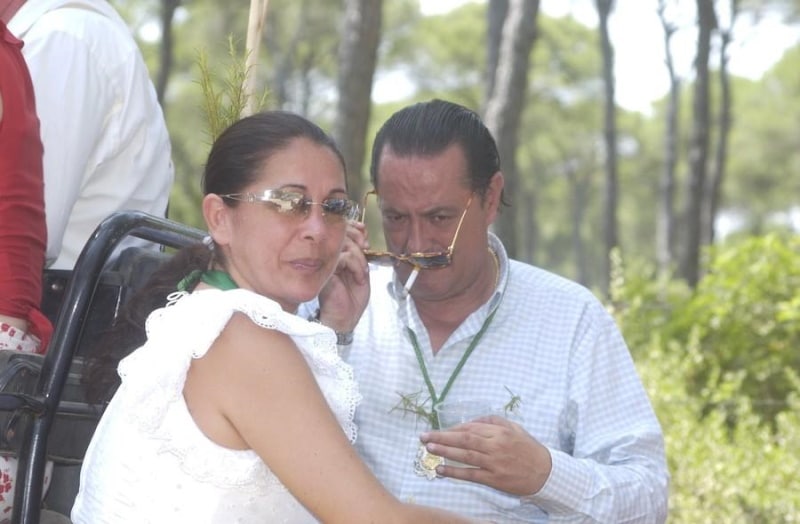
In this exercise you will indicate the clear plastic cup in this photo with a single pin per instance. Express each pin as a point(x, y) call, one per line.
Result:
point(453, 412)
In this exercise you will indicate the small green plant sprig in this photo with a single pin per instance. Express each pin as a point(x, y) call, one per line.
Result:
point(411, 405)
point(513, 404)
point(225, 99)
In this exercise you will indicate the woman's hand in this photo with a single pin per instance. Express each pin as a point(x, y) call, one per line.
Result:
point(344, 297)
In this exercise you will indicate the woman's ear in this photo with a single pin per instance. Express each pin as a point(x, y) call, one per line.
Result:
point(218, 218)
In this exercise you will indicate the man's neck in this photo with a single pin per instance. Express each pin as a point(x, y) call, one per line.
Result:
point(442, 318)
point(8, 8)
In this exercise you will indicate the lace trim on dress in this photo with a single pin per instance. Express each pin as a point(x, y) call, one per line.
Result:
point(154, 374)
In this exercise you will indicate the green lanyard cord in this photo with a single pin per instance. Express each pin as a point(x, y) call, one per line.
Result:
point(434, 399)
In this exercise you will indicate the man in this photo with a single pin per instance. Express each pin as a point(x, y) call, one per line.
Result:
point(579, 441)
point(106, 146)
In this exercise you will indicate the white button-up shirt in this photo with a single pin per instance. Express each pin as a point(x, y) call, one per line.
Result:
point(553, 345)
point(106, 146)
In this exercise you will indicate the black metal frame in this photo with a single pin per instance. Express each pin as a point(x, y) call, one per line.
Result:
point(43, 405)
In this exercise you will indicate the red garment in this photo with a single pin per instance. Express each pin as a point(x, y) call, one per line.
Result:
point(23, 233)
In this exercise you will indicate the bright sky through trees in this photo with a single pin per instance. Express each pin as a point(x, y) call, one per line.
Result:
point(639, 48)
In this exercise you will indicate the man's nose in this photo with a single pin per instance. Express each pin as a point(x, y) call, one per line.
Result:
point(416, 239)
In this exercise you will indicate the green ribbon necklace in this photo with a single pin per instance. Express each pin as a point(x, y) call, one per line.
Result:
point(213, 277)
point(421, 361)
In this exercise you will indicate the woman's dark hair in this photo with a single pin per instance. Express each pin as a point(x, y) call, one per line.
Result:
point(234, 163)
point(241, 150)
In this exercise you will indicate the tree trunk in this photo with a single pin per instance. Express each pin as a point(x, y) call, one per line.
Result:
point(495, 17)
point(504, 108)
point(166, 51)
point(529, 224)
point(357, 57)
point(698, 147)
point(665, 227)
point(604, 8)
point(306, 83)
point(255, 28)
point(721, 154)
point(578, 190)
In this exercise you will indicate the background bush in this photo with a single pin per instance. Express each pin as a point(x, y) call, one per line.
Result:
point(721, 366)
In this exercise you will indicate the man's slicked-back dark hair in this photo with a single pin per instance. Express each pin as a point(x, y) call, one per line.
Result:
point(428, 128)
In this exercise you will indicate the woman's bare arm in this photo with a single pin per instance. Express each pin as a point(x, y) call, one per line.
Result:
point(253, 389)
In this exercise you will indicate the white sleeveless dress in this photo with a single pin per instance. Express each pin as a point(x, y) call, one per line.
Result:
point(149, 463)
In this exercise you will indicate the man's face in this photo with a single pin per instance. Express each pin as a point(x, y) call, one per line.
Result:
point(422, 201)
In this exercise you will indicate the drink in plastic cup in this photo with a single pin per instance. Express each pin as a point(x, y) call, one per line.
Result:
point(453, 412)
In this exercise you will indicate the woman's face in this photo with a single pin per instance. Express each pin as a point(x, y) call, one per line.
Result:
point(285, 256)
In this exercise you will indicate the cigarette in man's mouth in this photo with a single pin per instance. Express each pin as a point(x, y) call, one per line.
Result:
point(411, 278)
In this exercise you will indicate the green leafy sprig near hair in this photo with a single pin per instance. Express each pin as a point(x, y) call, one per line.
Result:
point(224, 106)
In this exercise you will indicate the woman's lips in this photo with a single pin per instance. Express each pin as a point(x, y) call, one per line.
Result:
point(306, 264)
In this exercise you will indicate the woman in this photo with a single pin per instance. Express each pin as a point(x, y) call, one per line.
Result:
point(219, 417)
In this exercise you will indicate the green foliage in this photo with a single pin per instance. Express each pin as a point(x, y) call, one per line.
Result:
point(398, 32)
point(301, 40)
point(223, 100)
point(224, 107)
point(720, 364)
point(766, 159)
point(644, 302)
point(744, 314)
point(721, 473)
point(219, 115)
point(444, 54)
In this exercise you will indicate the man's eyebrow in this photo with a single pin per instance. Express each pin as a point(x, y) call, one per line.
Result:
point(438, 210)
point(442, 209)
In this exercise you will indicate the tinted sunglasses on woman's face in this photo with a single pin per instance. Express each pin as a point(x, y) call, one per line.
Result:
point(294, 203)
point(431, 260)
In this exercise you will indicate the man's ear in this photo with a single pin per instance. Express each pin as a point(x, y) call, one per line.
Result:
point(218, 218)
point(494, 194)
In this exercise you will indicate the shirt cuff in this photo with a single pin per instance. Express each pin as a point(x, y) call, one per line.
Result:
point(564, 488)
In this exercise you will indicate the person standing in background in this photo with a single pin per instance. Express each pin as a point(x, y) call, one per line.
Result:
point(23, 235)
point(106, 146)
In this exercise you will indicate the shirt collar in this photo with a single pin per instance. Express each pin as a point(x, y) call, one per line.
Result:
point(505, 268)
